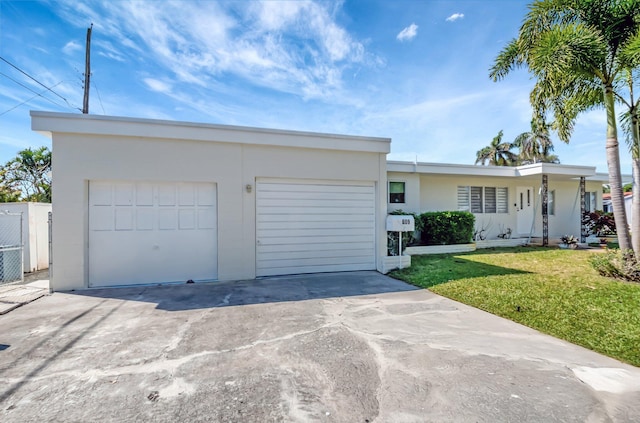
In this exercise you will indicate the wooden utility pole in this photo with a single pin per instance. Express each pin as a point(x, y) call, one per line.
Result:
point(87, 72)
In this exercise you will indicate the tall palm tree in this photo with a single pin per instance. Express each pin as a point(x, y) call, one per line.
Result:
point(497, 153)
point(574, 49)
point(535, 146)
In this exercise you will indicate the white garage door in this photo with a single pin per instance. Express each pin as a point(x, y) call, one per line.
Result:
point(307, 227)
point(151, 232)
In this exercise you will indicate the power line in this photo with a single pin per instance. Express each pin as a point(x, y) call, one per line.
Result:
point(38, 82)
point(26, 101)
point(99, 98)
point(37, 94)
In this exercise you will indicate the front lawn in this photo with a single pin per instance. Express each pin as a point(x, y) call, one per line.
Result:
point(554, 291)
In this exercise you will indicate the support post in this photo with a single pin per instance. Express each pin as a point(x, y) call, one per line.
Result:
point(583, 209)
point(545, 210)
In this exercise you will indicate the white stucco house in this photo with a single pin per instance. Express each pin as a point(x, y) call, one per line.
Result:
point(501, 198)
point(138, 201)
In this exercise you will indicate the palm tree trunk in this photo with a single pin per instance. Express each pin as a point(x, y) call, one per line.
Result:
point(635, 204)
point(615, 176)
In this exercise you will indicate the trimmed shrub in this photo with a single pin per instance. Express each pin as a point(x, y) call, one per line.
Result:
point(446, 228)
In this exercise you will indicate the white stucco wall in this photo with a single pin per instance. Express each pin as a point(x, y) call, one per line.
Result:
point(412, 192)
point(194, 154)
point(35, 233)
point(433, 192)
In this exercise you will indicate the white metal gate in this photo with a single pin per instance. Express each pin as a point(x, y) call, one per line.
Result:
point(11, 248)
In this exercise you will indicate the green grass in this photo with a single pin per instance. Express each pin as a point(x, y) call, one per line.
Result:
point(554, 291)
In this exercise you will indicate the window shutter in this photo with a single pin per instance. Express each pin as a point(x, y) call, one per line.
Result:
point(502, 200)
point(489, 200)
point(476, 199)
point(463, 198)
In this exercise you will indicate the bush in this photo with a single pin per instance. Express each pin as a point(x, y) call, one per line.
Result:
point(599, 223)
point(446, 228)
point(617, 264)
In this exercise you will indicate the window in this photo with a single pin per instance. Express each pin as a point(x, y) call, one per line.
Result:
point(476, 199)
point(589, 201)
point(483, 199)
point(551, 203)
point(489, 200)
point(396, 192)
point(463, 198)
point(502, 200)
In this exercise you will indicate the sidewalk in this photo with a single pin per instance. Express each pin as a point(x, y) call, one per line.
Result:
point(13, 296)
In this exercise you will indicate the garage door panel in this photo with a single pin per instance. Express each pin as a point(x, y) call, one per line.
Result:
point(305, 233)
point(341, 224)
point(315, 261)
point(316, 240)
point(304, 227)
point(312, 247)
point(305, 187)
point(284, 255)
point(315, 196)
point(153, 239)
point(293, 270)
point(339, 211)
point(313, 204)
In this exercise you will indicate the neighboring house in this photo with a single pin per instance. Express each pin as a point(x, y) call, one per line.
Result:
point(628, 200)
point(138, 201)
point(500, 197)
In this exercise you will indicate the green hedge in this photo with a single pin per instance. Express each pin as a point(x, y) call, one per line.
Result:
point(445, 228)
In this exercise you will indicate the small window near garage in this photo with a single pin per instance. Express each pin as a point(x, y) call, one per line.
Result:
point(590, 201)
point(396, 192)
point(551, 203)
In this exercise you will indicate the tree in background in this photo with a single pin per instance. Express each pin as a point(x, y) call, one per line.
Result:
point(497, 153)
point(27, 177)
point(577, 51)
point(535, 146)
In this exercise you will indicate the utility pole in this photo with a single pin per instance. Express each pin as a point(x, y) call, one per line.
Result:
point(87, 72)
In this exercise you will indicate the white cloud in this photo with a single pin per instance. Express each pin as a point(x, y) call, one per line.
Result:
point(71, 47)
point(409, 33)
point(294, 47)
point(455, 17)
point(157, 85)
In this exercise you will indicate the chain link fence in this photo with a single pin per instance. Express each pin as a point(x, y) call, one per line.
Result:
point(11, 248)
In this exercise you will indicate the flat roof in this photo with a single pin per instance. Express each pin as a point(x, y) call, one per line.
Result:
point(49, 123)
point(552, 169)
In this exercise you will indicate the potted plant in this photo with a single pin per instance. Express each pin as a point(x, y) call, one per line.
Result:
point(569, 241)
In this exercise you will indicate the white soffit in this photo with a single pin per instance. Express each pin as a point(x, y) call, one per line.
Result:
point(51, 122)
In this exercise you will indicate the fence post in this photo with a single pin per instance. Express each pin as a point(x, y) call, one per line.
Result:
point(50, 222)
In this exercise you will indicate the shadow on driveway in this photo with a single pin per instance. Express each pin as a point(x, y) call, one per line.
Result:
point(259, 291)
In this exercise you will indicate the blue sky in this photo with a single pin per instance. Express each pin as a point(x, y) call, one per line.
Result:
point(414, 71)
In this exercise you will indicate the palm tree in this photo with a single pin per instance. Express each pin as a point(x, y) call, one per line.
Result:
point(497, 153)
point(574, 50)
point(535, 146)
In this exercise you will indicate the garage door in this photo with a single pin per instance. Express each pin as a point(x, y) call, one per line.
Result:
point(151, 232)
point(305, 227)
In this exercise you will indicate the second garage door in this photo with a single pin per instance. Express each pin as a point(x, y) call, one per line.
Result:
point(151, 232)
point(309, 227)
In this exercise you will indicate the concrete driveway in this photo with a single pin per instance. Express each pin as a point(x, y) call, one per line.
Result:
point(344, 347)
